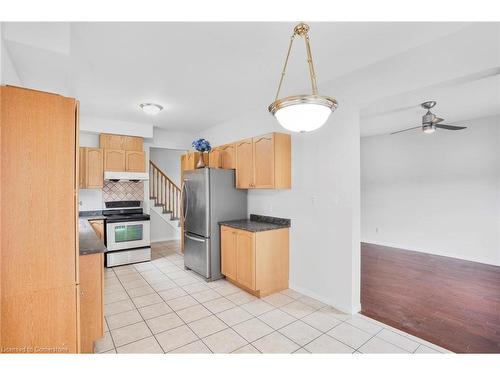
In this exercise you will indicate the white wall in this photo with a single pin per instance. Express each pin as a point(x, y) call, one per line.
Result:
point(105, 125)
point(323, 203)
point(168, 161)
point(161, 230)
point(438, 194)
point(8, 73)
point(170, 139)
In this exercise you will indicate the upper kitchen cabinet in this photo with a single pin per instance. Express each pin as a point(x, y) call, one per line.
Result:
point(190, 160)
point(121, 142)
point(135, 161)
point(114, 160)
point(228, 156)
point(264, 162)
point(244, 164)
point(123, 153)
point(133, 143)
point(263, 157)
point(112, 141)
point(91, 168)
point(223, 157)
point(214, 159)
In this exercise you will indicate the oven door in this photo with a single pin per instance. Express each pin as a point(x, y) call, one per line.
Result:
point(127, 235)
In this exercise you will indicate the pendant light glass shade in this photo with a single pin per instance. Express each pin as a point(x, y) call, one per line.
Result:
point(302, 113)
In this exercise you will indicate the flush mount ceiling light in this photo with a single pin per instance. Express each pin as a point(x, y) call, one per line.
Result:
point(302, 113)
point(151, 108)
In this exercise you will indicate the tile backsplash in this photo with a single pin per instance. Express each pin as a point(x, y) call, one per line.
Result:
point(123, 191)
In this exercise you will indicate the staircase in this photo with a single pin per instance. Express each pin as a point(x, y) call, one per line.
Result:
point(165, 196)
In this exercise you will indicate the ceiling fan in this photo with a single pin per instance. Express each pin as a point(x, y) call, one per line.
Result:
point(430, 122)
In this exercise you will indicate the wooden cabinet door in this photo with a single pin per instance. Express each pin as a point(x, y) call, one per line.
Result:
point(245, 259)
point(112, 141)
point(94, 169)
point(190, 162)
point(39, 218)
point(214, 158)
point(133, 143)
point(135, 161)
point(263, 155)
point(98, 226)
point(114, 160)
point(228, 156)
point(82, 168)
point(91, 300)
point(228, 252)
point(244, 164)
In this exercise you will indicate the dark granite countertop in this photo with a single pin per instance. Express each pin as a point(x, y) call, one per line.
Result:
point(258, 223)
point(89, 242)
point(92, 215)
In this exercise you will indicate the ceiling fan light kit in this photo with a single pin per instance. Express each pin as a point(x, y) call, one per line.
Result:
point(302, 113)
point(430, 122)
point(428, 129)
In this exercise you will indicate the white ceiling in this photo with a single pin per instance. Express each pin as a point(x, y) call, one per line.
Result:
point(206, 73)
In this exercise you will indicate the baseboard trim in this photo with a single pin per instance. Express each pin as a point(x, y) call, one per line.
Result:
point(346, 309)
point(437, 253)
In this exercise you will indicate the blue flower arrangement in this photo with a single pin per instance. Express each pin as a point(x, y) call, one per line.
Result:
point(201, 145)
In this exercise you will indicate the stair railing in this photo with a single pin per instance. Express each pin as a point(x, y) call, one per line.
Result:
point(164, 191)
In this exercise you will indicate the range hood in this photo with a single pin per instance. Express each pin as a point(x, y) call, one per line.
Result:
point(126, 176)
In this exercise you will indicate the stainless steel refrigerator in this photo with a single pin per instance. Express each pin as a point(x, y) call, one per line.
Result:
point(208, 197)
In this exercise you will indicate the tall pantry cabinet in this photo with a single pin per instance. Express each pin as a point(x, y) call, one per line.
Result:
point(39, 285)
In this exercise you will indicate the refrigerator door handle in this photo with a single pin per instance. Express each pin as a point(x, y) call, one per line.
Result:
point(184, 194)
point(195, 239)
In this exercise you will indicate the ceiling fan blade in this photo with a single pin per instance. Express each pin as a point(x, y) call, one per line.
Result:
point(400, 131)
point(437, 120)
point(450, 127)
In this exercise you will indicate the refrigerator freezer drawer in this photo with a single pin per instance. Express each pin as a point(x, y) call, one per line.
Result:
point(197, 254)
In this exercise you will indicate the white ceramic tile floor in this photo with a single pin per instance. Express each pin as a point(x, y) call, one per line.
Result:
point(158, 307)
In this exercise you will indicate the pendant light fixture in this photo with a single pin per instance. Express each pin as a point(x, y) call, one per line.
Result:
point(302, 113)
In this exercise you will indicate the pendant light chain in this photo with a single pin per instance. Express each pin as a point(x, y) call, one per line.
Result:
point(300, 30)
point(284, 66)
point(311, 66)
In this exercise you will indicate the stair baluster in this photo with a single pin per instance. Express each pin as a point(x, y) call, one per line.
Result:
point(165, 193)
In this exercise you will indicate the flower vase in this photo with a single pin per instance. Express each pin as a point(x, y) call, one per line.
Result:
point(201, 161)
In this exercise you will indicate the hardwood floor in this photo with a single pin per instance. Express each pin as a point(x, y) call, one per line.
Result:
point(450, 302)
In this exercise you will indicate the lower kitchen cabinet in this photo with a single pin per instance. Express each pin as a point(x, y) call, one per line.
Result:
point(255, 261)
point(228, 252)
point(245, 259)
point(98, 226)
point(91, 300)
